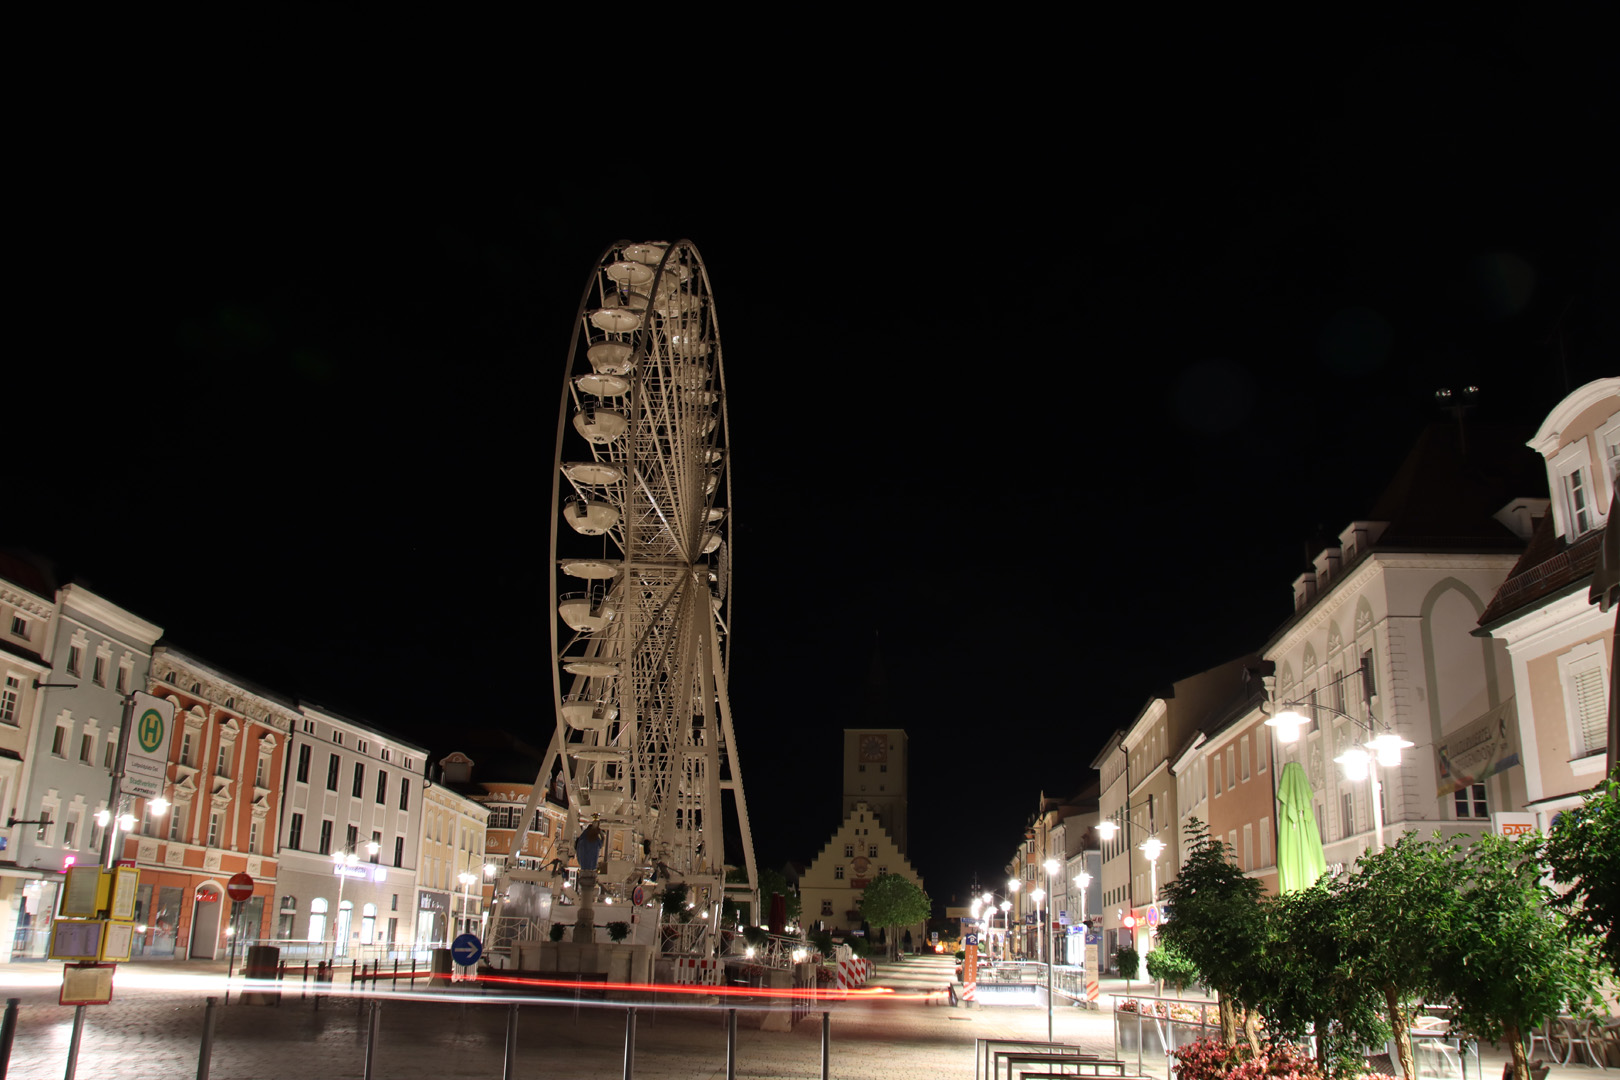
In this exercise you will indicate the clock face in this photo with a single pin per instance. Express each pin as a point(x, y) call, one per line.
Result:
point(874, 748)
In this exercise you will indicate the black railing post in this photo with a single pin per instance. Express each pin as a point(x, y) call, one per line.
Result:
point(8, 1034)
point(509, 1071)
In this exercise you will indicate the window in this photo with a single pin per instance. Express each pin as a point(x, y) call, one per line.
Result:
point(75, 659)
point(213, 829)
point(326, 837)
point(1248, 847)
point(333, 763)
point(87, 748)
point(386, 756)
point(404, 794)
point(376, 845)
point(1265, 841)
point(351, 837)
point(1215, 773)
point(317, 919)
point(10, 694)
point(1573, 511)
point(59, 741)
point(123, 678)
point(399, 851)
point(1347, 813)
point(1243, 747)
point(337, 737)
point(68, 829)
point(1584, 673)
point(826, 907)
point(95, 835)
point(98, 673)
point(382, 786)
point(849, 851)
point(1470, 802)
point(222, 765)
point(871, 851)
point(112, 749)
point(185, 748)
point(309, 727)
point(19, 626)
point(260, 770)
point(303, 764)
point(882, 870)
point(1231, 770)
point(838, 873)
point(359, 786)
point(362, 746)
point(1262, 752)
point(253, 836)
point(180, 811)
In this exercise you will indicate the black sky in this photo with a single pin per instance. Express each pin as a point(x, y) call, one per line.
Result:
point(1044, 369)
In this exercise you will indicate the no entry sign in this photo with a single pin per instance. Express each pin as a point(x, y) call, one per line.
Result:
point(240, 887)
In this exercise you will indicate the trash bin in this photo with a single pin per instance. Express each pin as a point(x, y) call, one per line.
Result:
point(262, 962)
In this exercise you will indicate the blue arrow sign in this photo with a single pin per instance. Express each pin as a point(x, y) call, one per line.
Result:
point(466, 950)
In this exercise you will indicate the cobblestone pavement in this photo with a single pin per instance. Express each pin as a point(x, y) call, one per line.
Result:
point(155, 1033)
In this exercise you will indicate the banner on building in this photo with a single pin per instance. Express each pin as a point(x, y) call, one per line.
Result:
point(1480, 749)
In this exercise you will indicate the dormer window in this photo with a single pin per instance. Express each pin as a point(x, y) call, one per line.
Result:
point(1574, 507)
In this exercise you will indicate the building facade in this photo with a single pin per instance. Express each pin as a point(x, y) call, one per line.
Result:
point(99, 654)
point(350, 835)
point(452, 880)
point(27, 629)
point(1560, 643)
point(223, 786)
point(831, 889)
point(876, 773)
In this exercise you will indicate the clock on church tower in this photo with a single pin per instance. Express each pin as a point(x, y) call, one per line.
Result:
point(874, 748)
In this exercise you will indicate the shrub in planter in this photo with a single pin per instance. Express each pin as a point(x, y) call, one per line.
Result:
point(1209, 1059)
point(557, 931)
point(1129, 961)
point(857, 945)
point(618, 931)
point(961, 955)
point(756, 935)
point(1171, 967)
point(822, 942)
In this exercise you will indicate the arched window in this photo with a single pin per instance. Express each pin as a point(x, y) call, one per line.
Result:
point(368, 924)
point(317, 919)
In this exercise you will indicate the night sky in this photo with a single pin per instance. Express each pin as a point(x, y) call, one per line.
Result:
point(1044, 373)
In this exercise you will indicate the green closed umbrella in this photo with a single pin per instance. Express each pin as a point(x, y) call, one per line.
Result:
point(1299, 845)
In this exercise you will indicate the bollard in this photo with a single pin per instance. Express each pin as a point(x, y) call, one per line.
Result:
point(826, 1046)
point(371, 1039)
point(396, 974)
point(731, 1044)
point(510, 1070)
point(8, 1033)
point(629, 1044)
point(207, 1050)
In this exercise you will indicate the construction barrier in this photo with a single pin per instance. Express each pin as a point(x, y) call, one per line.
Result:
point(853, 973)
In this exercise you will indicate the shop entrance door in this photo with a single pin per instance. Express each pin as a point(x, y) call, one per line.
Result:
point(205, 916)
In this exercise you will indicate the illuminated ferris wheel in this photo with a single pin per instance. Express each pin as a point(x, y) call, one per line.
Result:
point(641, 550)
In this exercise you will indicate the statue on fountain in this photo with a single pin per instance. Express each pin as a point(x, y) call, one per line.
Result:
point(588, 848)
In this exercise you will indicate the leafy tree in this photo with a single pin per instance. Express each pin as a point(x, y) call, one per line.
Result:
point(1304, 960)
point(1583, 850)
point(1218, 924)
point(1505, 957)
point(892, 901)
point(1168, 965)
point(1397, 907)
point(774, 881)
point(1129, 962)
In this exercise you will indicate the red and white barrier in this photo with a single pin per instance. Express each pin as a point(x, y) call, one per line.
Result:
point(853, 973)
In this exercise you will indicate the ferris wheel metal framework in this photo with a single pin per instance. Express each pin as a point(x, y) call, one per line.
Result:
point(641, 631)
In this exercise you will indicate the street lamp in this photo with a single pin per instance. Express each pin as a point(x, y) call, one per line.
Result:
point(466, 878)
point(1384, 744)
point(1051, 867)
point(342, 861)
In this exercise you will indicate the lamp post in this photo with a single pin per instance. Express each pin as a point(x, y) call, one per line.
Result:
point(341, 862)
point(1013, 885)
point(1382, 748)
point(1152, 847)
point(1051, 867)
point(466, 878)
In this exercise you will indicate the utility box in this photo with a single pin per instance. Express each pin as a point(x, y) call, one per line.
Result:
point(262, 962)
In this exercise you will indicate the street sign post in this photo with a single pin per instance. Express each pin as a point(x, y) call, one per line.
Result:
point(146, 751)
point(466, 950)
